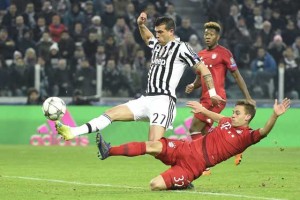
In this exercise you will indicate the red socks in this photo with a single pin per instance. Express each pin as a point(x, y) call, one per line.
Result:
point(128, 149)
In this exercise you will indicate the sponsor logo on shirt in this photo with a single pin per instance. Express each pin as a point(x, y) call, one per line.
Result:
point(214, 56)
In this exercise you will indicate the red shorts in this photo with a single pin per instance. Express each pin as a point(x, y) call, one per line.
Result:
point(206, 103)
point(187, 164)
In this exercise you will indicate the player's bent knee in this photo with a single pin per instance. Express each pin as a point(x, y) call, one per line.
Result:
point(158, 183)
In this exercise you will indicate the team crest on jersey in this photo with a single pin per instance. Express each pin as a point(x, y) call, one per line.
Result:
point(214, 56)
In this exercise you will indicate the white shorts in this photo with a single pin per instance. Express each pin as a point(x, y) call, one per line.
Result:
point(158, 110)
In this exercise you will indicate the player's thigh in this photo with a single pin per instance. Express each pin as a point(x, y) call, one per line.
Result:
point(176, 177)
point(139, 108)
point(156, 132)
point(162, 110)
point(120, 113)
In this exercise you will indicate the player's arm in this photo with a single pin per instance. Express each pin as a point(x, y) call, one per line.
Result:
point(242, 85)
point(278, 109)
point(216, 99)
point(144, 31)
point(192, 86)
point(198, 108)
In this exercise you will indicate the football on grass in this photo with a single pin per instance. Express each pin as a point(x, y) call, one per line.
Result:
point(54, 108)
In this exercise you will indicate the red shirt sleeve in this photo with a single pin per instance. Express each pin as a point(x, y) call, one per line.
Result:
point(229, 60)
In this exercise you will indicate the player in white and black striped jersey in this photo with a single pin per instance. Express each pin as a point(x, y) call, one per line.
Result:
point(169, 59)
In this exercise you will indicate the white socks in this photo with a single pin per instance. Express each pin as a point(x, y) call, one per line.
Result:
point(94, 125)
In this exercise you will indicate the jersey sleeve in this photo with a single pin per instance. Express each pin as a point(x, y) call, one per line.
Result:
point(229, 60)
point(152, 42)
point(256, 136)
point(188, 55)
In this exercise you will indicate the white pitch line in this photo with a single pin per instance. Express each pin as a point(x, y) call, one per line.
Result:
point(140, 188)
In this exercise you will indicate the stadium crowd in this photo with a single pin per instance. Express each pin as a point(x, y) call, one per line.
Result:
point(69, 38)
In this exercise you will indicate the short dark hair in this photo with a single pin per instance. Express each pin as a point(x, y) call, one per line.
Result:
point(249, 108)
point(168, 21)
point(213, 25)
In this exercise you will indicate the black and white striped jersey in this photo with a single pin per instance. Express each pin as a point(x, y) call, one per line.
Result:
point(167, 66)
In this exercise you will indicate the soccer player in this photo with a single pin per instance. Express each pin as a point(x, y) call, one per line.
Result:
point(169, 59)
point(188, 159)
point(218, 60)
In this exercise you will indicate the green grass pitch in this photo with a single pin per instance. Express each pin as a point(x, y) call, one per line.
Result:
point(28, 172)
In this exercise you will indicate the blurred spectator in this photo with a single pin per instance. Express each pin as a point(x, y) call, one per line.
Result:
point(26, 42)
point(277, 21)
point(62, 79)
point(239, 40)
point(56, 28)
point(39, 29)
point(232, 20)
point(61, 6)
point(130, 82)
point(44, 45)
point(120, 6)
point(292, 73)
point(66, 46)
point(19, 85)
point(247, 12)
point(98, 28)
point(120, 29)
point(47, 12)
point(263, 71)
point(266, 33)
point(171, 12)
point(4, 4)
point(111, 78)
point(89, 12)
point(296, 47)
point(9, 19)
point(290, 33)
point(74, 15)
point(152, 15)
point(100, 55)
point(128, 49)
point(77, 33)
point(33, 97)
point(17, 31)
point(46, 77)
point(30, 17)
point(4, 79)
point(90, 47)
point(185, 31)
point(109, 17)
point(30, 60)
point(85, 78)
point(139, 61)
point(130, 16)
point(76, 60)
point(111, 49)
point(195, 43)
point(54, 55)
point(7, 45)
point(276, 48)
point(79, 99)
point(161, 6)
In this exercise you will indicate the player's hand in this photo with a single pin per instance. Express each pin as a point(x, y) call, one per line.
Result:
point(189, 88)
point(195, 106)
point(216, 100)
point(279, 109)
point(251, 101)
point(142, 19)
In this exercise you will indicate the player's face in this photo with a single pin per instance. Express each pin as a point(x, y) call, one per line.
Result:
point(211, 37)
point(162, 35)
point(239, 116)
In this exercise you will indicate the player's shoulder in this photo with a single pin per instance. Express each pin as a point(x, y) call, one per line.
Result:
point(223, 49)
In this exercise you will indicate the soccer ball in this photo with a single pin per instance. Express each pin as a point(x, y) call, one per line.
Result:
point(54, 108)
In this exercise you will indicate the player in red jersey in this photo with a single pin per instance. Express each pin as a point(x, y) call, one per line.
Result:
point(219, 60)
point(188, 159)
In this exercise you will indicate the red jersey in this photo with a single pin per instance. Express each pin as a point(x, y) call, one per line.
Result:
point(226, 141)
point(218, 61)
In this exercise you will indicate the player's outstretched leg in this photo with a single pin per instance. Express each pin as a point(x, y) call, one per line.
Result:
point(238, 159)
point(103, 147)
point(64, 130)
